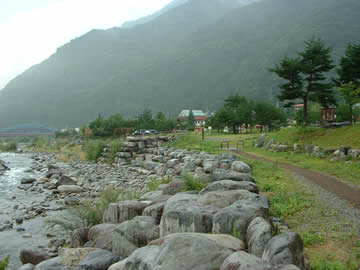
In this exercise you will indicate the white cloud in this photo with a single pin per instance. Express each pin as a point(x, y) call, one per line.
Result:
point(29, 37)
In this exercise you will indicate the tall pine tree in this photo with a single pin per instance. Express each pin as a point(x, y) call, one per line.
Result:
point(349, 70)
point(305, 76)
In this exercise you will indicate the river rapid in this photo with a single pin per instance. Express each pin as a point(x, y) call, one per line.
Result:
point(13, 204)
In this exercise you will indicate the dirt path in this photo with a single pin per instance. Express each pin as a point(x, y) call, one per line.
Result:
point(329, 183)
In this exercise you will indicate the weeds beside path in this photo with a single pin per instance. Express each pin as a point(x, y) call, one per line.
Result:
point(327, 182)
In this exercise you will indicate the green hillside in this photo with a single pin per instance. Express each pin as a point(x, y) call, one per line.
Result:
point(192, 55)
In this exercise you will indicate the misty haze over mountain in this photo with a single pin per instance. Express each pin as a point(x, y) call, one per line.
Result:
point(191, 53)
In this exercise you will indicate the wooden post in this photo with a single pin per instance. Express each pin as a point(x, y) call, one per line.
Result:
point(203, 134)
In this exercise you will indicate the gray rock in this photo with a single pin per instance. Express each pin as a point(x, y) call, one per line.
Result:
point(123, 211)
point(261, 141)
point(210, 165)
point(101, 236)
point(258, 235)
point(79, 237)
point(27, 180)
point(133, 234)
point(65, 180)
point(184, 213)
point(179, 252)
point(221, 199)
point(69, 189)
point(244, 261)
point(98, 260)
point(237, 217)
point(27, 266)
point(230, 185)
point(174, 187)
point(220, 174)
point(51, 264)
point(240, 166)
point(284, 249)
point(143, 258)
point(33, 256)
point(155, 211)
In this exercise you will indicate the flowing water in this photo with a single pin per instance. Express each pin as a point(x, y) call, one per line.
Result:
point(13, 202)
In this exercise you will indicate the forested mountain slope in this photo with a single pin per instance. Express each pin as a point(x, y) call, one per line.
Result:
point(192, 55)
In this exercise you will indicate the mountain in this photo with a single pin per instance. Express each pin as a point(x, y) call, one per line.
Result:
point(190, 56)
point(149, 18)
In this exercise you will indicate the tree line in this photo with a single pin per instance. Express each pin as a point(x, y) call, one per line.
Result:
point(304, 77)
point(105, 127)
point(238, 111)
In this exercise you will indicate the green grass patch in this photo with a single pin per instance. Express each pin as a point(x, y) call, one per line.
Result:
point(155, 183)
point(193, 183)
point(4, 264)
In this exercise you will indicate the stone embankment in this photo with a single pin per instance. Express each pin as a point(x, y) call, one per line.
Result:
point(225, 226)
point(344, 153)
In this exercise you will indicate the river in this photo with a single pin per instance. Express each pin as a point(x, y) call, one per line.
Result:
point(13, 204)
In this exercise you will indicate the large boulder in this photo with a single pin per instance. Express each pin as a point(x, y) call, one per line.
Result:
point(155, 211)
point(101, 235)
point(258, 235)
point(79, 237)
point(88, 258)
point(98, 260)
point(181, 251)
point(240, 166)
point(123, 211)
point(221, 199)
point(230, 185)
point(133, 234)
point(243, 261)
point(235, 219)
point(184, 213)
point(287, 248)
point(33, 256)
point(220, 174)
point(52, 264)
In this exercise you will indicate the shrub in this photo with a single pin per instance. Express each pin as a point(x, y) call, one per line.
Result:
point(4, 264)
point(9, 147)
point(114, 149)
point(94, 150)
point(192, 183)
point(88, 213)
point(40, 142)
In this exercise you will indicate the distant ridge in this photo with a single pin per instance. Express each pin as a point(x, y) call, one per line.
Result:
point(196, 53)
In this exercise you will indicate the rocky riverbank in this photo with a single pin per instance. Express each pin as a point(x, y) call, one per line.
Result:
point(224, 226)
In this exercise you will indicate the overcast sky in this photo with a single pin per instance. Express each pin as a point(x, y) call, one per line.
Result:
point(32, 30)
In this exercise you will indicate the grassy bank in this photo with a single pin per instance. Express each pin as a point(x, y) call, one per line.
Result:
point(66, 150)
point(331, 241)
point(326, 138)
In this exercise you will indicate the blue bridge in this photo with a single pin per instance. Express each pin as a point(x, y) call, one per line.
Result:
point(27, 130)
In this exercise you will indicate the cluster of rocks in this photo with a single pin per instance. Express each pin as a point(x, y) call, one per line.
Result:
point(224, 226)
point(345, 153)
point(134, 146)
